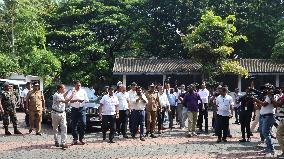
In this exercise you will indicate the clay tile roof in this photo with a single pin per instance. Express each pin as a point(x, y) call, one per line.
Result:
point(158, 66)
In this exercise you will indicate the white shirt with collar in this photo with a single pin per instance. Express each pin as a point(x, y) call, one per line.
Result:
point(109, 104)
point(204, 95)
point(132, 97)
point(25, 93)
point(81, 94)
point(140, 105)
point(57, 105)
point(163, 99)
point(224, 104)
point(269, 109)
point(123, 99)
point(178, 94)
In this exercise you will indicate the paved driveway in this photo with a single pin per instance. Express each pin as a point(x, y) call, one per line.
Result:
point(169, 145)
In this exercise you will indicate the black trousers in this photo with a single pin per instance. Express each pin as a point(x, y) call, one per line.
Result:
point(245, 119)
point(161, 117)
point(172, 115)
point(108, 122)
point(222, 126)
point(122, 121)
point(203, 114)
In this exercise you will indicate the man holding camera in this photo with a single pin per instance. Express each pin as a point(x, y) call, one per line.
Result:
point(267, 118)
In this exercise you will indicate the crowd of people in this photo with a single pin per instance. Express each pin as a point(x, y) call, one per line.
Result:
point(122, 109)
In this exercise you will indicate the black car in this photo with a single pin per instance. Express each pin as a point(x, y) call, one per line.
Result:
point(92, 112)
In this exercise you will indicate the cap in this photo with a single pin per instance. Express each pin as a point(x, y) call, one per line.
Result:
point(152, 85)
point(133, 84)
point(119, 83)
point(6, 84)
point(36, 84)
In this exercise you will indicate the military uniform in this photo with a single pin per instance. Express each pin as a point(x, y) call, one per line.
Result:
point(151, 110)
point(8, 103)
point(35, 107)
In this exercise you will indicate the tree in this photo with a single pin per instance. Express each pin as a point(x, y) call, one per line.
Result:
point(210, 43)
point(7, 65)
point(86, 36)
point(278, 49)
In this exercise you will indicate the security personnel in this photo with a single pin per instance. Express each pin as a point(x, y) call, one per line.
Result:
point(151, 109)
point(8, 109)
point(35, 106)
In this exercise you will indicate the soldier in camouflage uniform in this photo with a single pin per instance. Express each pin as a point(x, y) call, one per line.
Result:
point(8, 109)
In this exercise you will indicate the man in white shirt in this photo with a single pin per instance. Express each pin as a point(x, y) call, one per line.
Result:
point(267, 119)
point(78, 112)
point(58, 116)
point(181, 108)
point(23, 101)
point(165, 105)
point(203, 109)
point(109, 112)
point(138, 113)
point(123, 98)
point(236, 95)
point(132, 95)
point(224, 104)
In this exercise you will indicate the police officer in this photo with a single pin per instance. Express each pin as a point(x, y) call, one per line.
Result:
point(8, 109)
point(151, 109)
point(35, 106)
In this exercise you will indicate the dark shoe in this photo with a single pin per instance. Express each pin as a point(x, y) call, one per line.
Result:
point(147, 133)
point(74, 142)
point(7, 133)
point(40, 134)
point(159, 132)
point(30, 131)
point(189, 135)
point(142, 139)
point(104, 138)
point(251, 134)
point(125, 136)
point(133, 137)
point(82, 141)
point(153, 136)
point(65, 146)
point(242, 140)
point(56, 144)
point(273, 137)
point(249, 139)
point(219, 140)
point(16, 131)
point(230, 136)
point(111, 142)
point(224, 140)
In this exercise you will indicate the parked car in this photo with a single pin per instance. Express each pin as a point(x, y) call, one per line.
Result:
point(92, 112)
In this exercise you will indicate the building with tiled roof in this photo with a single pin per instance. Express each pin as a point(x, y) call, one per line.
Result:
point(266, 70)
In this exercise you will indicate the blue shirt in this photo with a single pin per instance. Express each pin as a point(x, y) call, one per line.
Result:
point(172, 99)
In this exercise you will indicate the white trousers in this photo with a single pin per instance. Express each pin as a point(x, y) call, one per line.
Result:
point(256, 121)
point(59, 119)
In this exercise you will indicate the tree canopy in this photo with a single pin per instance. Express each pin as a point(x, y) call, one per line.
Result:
point(79, 39)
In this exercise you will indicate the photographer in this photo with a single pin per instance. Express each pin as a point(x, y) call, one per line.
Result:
point(280, 128)
point(267, 118)
point(246, 109)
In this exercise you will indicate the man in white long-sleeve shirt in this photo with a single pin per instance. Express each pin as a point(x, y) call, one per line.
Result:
point(203, 108)
point(138, 105)
point(78, 112)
